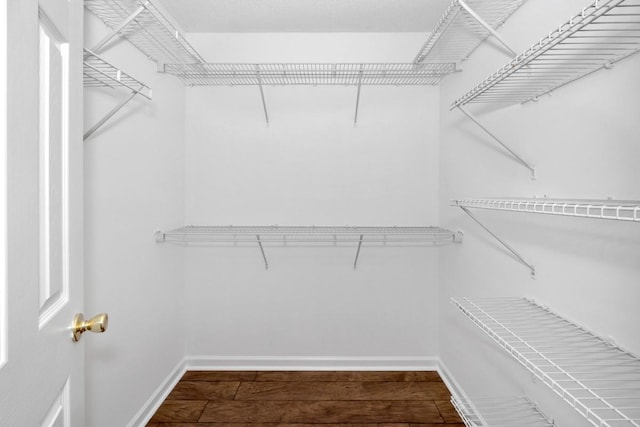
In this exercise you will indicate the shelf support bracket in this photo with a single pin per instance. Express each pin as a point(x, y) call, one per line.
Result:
point(515, 155)
point(264, 257)
point(355, 263)
point(110, 114)
point(482, 22)
point(264, 103)
point(503, 243)
point(116, 31)
point(355, 118)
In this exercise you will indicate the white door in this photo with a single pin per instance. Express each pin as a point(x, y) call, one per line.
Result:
point(41, 369)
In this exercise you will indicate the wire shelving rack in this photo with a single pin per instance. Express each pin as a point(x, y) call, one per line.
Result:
point(309, 236)
point(302, 235)
point(602, 34)
point(143, 24)
point(459, 33)
point(347, 74)
point(597, 378)
point(503, 411)
point(621, 210)
point(99, 73)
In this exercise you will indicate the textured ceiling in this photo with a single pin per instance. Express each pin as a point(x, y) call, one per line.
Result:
point(312, 16)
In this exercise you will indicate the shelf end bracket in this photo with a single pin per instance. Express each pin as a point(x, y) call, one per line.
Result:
point(502, 242)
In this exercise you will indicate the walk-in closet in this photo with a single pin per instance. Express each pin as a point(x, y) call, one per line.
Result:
point(435, 199)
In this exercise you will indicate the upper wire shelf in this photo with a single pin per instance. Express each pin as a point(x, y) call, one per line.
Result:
point(597, 378)
point(509, 411)
point(312, 235)
point(99, 73)
point(310, 74)
point(144, 25)
point(604, 33)
point(621, 210)
point(458, 33)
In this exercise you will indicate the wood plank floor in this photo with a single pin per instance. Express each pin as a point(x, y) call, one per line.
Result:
point(305, 399)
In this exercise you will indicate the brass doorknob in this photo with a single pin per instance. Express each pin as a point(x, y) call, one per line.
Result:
point(96, 324)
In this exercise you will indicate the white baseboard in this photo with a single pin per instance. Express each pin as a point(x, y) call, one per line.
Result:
point(153, 403)
point(266, 363)
point(450, 381)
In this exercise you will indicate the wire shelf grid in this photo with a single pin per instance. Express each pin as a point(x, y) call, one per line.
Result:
point(151, 31)
point(621, 210)
point(99, 73)
point(458, 34)
point(503, 411)
point(604, 33)
point(310, 74)
point(600, 380)
point(310, 235)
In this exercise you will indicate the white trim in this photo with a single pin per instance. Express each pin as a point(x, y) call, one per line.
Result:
point(158, 396)
point(3, 185)
point(307, 363)
point(449, 380)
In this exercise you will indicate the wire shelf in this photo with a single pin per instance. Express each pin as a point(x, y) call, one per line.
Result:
point(605, 32)
point(150, 31)
point(496, 412)
point(99, 73)
point(310, 74)
point(600, 380)
point(621, 210)
point(458, 34)
point(310, 235)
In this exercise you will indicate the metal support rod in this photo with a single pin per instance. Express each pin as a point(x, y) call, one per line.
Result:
point(502, 242)
point(110, 114)
point(116, 31)
point(264, 103)
point(495, 138)
point(355, 263)
point(482, 22)
point(355, 119)
point(264, 257)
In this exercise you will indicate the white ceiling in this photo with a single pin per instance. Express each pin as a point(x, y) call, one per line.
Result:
point(310, 16)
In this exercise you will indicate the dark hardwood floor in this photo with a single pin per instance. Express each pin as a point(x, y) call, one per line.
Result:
point(303, 399)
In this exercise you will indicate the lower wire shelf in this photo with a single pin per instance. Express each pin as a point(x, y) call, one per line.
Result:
point(303, 236)
point(498, 412)
point(597, 378)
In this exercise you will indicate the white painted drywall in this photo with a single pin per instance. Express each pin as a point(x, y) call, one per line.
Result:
point(311, 166)
point(583, 141)
point(134, 169)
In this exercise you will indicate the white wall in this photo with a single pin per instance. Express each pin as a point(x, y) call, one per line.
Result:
point(311, 166)
point(583, 141)
point(134, 169)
